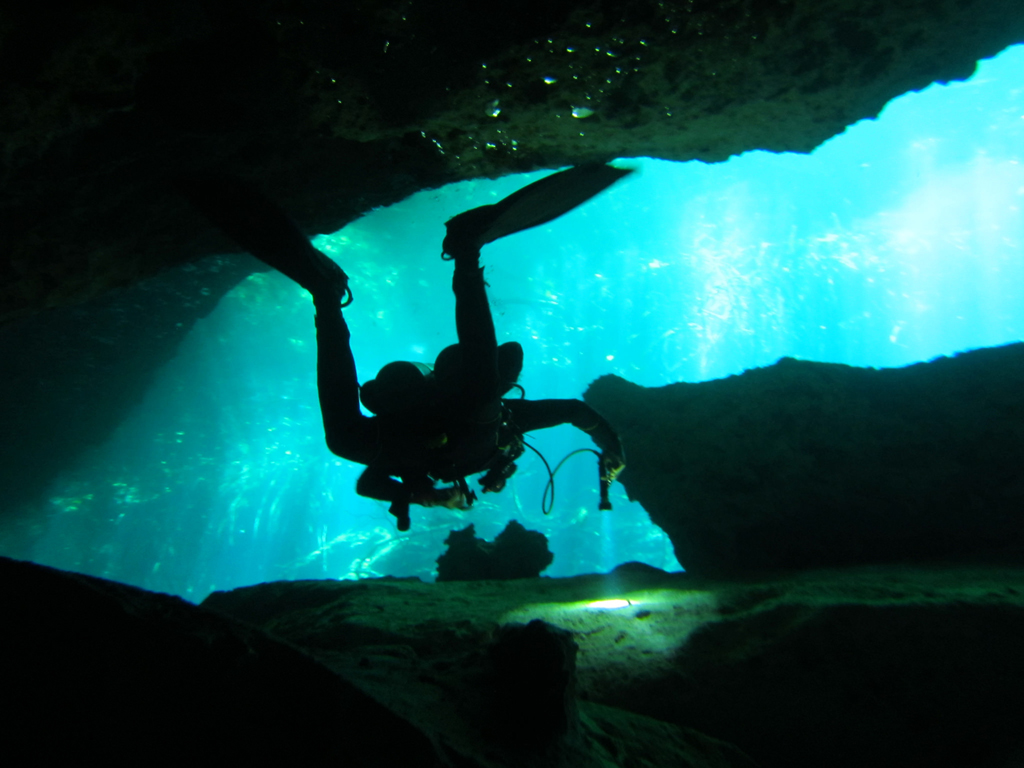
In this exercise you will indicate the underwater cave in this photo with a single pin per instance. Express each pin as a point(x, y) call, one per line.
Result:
point(803, 313)
point(893, 243)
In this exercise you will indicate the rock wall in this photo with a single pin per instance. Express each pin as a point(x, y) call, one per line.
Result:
point(807, 465)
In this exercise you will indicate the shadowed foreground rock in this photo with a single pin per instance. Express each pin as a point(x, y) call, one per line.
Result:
point(103, 670)
point(93, 668)
point(875, 666)
point(808, 465)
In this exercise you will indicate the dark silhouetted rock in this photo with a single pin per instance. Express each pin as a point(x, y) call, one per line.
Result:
point(808, 465)
point(93, 669)
point(882, 666)
point(515, 554)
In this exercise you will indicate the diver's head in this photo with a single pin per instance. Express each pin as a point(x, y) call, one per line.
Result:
point(448, 367)
point(510, 365)
point(398, 385)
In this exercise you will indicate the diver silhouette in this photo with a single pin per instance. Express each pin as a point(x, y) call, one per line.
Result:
point(430, 424)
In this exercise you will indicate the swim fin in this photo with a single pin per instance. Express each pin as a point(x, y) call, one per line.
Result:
point(262, 228)
point(535, 204)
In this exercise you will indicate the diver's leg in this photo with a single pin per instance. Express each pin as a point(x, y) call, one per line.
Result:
point(376, 484)
point(260, 226)
point(349, 433)
point(477, 341)
point(467, 233)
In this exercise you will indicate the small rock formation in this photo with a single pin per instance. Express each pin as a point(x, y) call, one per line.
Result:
point(813, 465)
point(515, 554)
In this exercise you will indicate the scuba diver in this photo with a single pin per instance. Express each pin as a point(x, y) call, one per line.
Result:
point(430, 424)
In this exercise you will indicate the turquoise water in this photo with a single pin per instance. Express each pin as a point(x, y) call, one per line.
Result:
point(895, 242)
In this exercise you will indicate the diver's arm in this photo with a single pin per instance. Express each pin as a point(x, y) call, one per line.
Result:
point(529, 415)
point(349, 433)
point(376, 483)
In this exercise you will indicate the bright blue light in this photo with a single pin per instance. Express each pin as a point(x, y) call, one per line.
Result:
point(895, 242)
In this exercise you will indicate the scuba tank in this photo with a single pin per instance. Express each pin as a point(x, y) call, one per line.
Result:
point(403, 385)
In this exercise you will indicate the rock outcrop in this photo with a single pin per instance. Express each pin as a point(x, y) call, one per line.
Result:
point(515, 553)
point(808, 465)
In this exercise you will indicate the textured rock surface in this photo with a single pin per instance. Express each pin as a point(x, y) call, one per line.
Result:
point(884, 667)
point(340, 107)
point(874, 666)
point(102, 670)
point(808, 465)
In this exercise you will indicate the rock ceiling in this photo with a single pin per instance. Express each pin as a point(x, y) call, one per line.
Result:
point(336, 108)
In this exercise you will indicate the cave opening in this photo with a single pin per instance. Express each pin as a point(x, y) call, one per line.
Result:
point(893, 243)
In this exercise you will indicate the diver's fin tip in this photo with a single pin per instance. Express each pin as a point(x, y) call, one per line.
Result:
point(538, 203)
point(627, 169)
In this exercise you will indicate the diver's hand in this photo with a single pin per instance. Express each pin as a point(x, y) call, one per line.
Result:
point(611, 464)
point(450, 497)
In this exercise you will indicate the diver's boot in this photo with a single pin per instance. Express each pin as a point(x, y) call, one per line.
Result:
point(533, 205)
point(262, 228)
point(327, 281)
point(400, 509)
point(465, 233)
